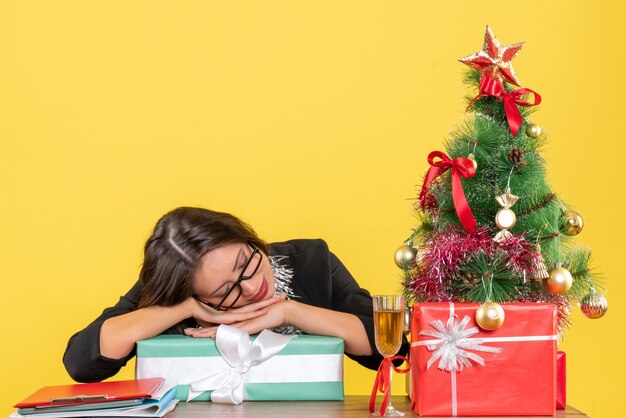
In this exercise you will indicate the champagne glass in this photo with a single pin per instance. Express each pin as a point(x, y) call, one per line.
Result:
point(388, 325)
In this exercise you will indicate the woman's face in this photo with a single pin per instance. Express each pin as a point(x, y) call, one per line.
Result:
point(220, 269)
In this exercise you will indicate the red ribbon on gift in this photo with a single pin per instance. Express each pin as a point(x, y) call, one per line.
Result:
point(489, 86)
point(383, 381)
point(461, 167)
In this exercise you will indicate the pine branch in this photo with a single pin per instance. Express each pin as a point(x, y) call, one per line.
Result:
point(543, 202)
point(484, 278)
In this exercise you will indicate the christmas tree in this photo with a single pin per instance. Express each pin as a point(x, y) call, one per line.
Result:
point(491, 229)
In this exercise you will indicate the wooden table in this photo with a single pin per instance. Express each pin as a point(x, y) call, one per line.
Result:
point(352, 406)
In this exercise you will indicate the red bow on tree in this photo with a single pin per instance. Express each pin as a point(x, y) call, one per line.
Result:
point(461, 167)
point(383, 381)
point(489, 86)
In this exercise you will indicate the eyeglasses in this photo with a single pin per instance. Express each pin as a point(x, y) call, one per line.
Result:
point(232, 296)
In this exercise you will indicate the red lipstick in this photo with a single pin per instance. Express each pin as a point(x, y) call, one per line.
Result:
point(261, 293)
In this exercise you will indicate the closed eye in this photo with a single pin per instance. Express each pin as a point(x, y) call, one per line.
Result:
point(222, 294)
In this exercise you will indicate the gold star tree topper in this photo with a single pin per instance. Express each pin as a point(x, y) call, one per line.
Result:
point(494, 59)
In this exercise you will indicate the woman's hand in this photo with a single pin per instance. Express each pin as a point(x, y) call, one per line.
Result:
point(273, 315)
point(210, 319)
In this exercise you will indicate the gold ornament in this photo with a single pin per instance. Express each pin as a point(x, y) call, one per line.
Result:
point(472, 158)
point(594, 306)
point(490, 316)
point(539, 271)
point(494, 59)
point(505, 218)
point(533, 131)
point(560, 280)
point(420, 258)
point(405, 256)
point(571, 223)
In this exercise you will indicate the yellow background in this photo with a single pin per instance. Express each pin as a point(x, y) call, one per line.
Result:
point(307, 119)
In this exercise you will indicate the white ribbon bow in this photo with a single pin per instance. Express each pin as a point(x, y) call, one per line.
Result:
point(452, 343)
point(234, 346)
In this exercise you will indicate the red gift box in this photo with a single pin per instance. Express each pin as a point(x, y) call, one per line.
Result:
point(560, 381)
point(518, 371)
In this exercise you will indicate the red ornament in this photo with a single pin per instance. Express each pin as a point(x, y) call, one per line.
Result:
point(495, 60)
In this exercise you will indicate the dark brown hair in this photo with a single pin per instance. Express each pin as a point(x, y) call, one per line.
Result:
point(173, 252)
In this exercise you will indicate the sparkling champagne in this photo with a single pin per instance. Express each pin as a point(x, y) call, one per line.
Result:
point(388, 331)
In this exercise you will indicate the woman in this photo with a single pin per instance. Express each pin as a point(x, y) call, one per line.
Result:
point(204, 268)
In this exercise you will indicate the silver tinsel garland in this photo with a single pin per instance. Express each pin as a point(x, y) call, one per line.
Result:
point(283, 274)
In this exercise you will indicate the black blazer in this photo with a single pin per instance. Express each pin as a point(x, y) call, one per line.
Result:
point(319, 279)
